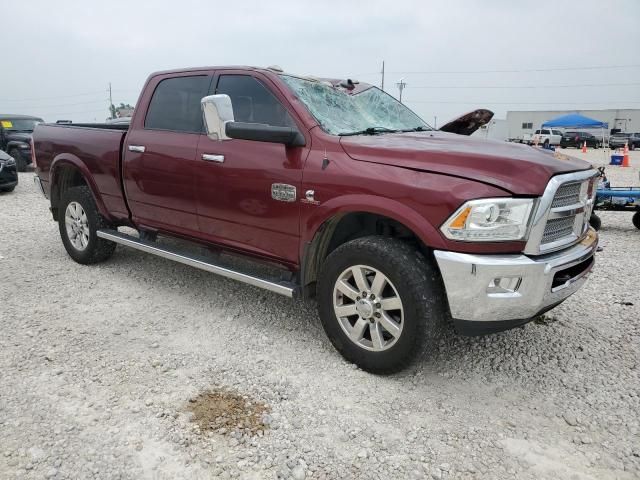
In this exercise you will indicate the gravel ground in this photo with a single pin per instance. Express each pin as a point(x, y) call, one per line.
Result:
point(101, 367)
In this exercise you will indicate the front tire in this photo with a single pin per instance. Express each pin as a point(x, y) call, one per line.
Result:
point(595, 222)
point(78, 221)
point(636, 219)
point(381, 303)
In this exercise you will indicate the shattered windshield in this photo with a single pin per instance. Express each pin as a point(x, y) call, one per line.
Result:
point(340, 113)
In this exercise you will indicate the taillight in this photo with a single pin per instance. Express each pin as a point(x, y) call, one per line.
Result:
point(33, 154)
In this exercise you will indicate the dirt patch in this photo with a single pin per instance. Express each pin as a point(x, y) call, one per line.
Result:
point(224, 412)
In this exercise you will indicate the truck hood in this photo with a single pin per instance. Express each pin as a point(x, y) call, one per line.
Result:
point(468, 123)
point(519, 169)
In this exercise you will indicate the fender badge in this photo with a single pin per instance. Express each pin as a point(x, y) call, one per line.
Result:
point(310, 198)
point(283, 192)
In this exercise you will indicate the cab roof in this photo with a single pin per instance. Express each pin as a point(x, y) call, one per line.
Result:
point(18, 117)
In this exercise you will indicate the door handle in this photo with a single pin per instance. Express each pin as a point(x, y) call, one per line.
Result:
point(136, 148)
point(213, 158)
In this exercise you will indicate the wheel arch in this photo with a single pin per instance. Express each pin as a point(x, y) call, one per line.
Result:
point(359, 219)
point(67, 171)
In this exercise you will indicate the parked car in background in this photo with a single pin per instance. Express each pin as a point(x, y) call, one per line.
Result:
point(577, 139)
point(394, 227)
point(547, 137)
point(544, 137)
point(15, 137)
point(8, 173)
point(618, 140)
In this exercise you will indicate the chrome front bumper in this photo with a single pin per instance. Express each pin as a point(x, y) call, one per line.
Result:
point(499, 288)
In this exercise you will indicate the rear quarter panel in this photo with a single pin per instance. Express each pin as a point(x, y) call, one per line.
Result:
point(94, 152)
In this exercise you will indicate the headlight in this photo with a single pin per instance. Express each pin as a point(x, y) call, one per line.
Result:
point(490, 220)
point(8, 162)
point(24, 145)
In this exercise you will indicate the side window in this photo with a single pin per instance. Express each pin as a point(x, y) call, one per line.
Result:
point(252, 102)
point(557, 132)
point(545, 132)
point(175, 104)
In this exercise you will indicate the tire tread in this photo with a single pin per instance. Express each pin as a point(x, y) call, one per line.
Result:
point(425, 293)
point(98, 249)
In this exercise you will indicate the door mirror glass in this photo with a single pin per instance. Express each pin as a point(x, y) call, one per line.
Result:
point(217, 111)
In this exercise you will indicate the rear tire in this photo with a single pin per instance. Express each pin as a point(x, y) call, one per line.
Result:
point(364, 335)
point(78, 221)
point(8, 189)
point(545, 145)
point(21, 164)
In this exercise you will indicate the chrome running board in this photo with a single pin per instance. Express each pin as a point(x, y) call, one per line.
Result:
point(287, 289)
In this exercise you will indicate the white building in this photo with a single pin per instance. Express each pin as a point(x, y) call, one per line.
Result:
point(522, 122)
point(496, 129)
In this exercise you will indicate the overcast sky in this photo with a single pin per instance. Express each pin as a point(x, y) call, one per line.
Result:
point(59, 57)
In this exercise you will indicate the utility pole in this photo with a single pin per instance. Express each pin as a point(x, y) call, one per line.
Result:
point(112, 110)
point(382, 75)
point(401, 86)
point(435, 122)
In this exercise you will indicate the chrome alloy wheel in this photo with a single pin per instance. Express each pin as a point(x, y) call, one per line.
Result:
point(368, 308)
point(77, 224)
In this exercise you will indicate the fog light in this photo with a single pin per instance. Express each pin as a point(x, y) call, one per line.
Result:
point(504, 285)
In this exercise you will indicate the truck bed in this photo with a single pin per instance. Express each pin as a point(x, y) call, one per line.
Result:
point(94, 148)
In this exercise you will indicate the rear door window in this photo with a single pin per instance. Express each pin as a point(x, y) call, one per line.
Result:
point(545, 132)
point(175, 104)
point(253, 102)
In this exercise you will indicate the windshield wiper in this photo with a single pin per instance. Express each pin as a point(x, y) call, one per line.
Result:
point(417, 129)
point(369, 131)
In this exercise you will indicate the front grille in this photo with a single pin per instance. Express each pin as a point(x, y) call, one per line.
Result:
point(563, 213)
point(567, 194)
point(558, 228)
point(565, 229)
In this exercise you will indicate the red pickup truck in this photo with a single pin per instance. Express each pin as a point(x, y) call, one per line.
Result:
point(394, 227)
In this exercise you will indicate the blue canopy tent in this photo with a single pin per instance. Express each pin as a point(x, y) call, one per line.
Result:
point(575, 120)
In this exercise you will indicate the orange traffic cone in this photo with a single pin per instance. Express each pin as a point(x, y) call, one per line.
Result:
point(625, 158)
point(584, 147)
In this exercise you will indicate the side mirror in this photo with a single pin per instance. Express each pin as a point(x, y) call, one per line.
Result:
point(217, 111)
point(260, 132)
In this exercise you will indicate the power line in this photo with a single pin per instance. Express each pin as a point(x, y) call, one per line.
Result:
point(557, 69)
point(550, 69)
point(529, 86)
point(33, 99)
point(59, 114)
point(44, 107)
point(484, 102)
